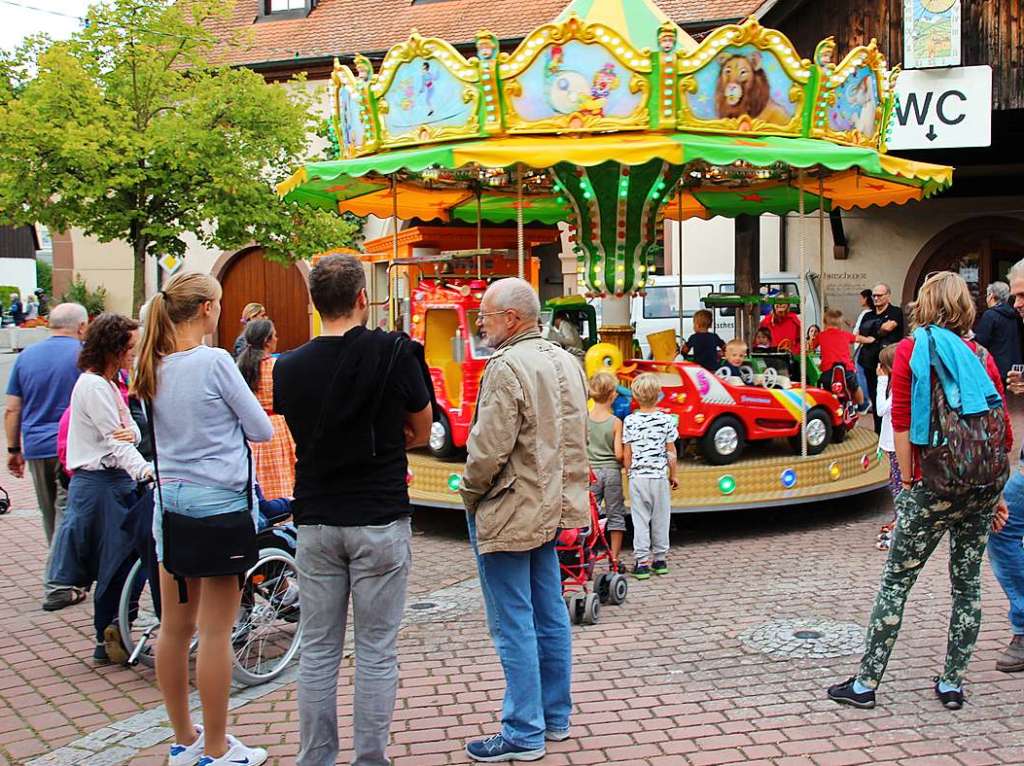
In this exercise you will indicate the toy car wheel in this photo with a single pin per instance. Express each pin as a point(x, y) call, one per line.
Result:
point(724, 441)
point(603, 587)
point(440, 441)
point(819, 432)
point(591, 609)
point(839, 434)
point(618, 588)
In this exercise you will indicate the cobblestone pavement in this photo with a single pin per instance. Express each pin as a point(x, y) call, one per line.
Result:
point(698, 667)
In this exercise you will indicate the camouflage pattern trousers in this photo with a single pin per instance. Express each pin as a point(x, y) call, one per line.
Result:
point(922, 520)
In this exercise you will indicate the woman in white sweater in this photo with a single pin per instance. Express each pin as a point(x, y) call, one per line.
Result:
point(106, 468)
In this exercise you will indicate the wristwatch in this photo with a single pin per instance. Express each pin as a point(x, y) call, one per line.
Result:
point(14, 450)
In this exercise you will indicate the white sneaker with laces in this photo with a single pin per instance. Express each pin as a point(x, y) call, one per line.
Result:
point(237, 755)
point(187, 755)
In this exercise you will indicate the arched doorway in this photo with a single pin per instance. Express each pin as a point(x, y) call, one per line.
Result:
point(248, 277)
point(981, 250)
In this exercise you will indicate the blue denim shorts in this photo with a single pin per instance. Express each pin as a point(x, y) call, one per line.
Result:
point(196, 502)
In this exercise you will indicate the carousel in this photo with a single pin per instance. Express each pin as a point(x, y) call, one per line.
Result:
point(612, 119)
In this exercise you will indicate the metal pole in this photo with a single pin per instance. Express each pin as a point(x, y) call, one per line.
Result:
point(821, 245)
point(679, 249)
point(479, 228)
point(803, 313)
point(519, 220)
point(392, 303)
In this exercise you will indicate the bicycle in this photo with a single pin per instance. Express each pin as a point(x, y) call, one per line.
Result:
point(267, 632)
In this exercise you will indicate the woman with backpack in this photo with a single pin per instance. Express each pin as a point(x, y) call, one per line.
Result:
point(952, 436)
point(202, 413)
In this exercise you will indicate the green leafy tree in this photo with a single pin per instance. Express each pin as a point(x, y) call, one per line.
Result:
point(133, 131)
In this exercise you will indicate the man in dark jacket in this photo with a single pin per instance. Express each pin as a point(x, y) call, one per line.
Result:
point(999, 329)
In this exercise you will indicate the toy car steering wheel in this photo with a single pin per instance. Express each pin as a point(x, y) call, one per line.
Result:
point(770, 378)
point(723, 373)
point(747, 374)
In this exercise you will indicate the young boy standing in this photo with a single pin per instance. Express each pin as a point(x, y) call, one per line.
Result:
point(704, 344)
point(604, 451)
point(649, 449)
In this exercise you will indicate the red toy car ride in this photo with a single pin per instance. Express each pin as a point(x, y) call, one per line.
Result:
point(724, 416)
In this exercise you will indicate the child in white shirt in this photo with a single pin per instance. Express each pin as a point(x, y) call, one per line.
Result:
point(885, 438)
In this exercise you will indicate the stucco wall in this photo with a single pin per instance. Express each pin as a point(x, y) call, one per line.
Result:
point(106, 264)
point(883, 242)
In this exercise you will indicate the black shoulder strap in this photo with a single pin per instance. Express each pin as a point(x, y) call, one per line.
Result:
point(396, 349)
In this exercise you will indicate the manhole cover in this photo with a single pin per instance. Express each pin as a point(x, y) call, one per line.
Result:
point(421, 606)
point(807, 635)
point(807, 638)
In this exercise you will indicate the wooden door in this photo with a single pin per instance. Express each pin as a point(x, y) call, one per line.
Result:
point(282, 289)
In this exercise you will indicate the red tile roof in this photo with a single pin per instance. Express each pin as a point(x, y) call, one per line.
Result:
point(346, 27)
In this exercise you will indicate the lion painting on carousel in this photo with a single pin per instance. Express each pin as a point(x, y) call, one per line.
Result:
point(743, 89)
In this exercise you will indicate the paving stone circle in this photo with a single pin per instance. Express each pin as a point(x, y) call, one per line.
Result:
point(805, 638)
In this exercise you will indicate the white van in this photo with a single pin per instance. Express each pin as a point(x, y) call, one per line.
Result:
point(659, 308)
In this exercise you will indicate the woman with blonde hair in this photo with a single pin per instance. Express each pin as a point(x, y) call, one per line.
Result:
point(940, 382)
point(275, 460)
point(250, 313)
point(202, 414)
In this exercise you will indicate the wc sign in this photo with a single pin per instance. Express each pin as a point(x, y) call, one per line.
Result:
point(943, 108)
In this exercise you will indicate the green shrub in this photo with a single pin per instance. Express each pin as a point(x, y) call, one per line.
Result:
point(44, 277)
point(5, 295)
point(93, 300)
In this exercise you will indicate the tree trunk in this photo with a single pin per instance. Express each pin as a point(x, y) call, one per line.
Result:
point(748, 269)
point(139, 278)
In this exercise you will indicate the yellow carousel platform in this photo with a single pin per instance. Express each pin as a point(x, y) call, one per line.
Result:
point(768, 475)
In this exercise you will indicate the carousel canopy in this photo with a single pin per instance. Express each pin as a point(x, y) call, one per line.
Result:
point(612, 118)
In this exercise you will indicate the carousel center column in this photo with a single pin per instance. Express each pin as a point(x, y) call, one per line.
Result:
point(615, 327)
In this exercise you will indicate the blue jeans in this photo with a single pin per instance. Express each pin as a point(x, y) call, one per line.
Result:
point(529, 625)
point(1006, 553)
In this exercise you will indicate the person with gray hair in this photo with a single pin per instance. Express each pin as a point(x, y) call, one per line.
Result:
point(1004, 547)
point(526, 477)
point(999, 330)
point(38, 392)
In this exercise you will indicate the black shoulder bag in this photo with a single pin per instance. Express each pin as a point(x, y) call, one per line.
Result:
point(214, 546)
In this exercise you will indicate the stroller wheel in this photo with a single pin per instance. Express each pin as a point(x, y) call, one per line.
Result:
point(603, 587)
point(591, 609)
point(576, 602)
point(618, 587)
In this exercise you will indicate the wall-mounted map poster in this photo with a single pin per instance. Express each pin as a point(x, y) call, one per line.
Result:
point(931, 33)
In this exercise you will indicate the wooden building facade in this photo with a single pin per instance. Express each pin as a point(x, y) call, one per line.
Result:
point(977, 227)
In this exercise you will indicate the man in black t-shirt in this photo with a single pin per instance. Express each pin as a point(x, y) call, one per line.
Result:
point(878, 329)
point(355, 400)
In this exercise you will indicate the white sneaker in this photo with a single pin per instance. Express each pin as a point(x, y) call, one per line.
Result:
point(237, 755)
point(187, 755)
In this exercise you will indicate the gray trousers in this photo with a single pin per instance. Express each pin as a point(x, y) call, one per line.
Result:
point(372, 565)
point(52, 499)
point(650, 504)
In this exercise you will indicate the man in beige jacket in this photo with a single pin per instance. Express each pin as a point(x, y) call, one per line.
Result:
point(525, 479)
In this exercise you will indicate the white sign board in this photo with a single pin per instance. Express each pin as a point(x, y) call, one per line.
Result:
point(943, 108)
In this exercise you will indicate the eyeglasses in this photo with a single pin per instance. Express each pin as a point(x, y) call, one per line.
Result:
point(879, 295)
point(482, 314)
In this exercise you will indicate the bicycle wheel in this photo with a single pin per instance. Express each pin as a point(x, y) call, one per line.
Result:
point(267, 634)
point(137, 617)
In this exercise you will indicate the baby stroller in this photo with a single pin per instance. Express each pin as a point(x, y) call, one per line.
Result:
point(579, 551)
